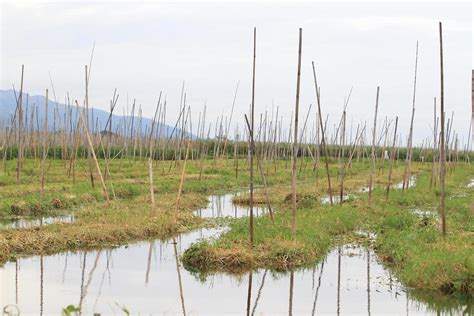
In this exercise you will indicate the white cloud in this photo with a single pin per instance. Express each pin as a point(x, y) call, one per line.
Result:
point(414, 23)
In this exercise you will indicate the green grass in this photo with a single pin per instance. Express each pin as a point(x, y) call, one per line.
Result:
point(413, 248)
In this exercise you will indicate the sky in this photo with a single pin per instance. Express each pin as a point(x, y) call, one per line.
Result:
point(142, 48)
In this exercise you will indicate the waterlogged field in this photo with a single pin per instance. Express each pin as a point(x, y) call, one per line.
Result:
point(67, 247)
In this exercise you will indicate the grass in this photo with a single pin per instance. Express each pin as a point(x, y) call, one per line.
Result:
point(413, 248)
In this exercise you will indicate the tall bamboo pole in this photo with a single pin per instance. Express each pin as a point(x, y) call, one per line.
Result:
point(392, 158)
point(251, 153)
point(323, 139)
point(20, 123)
point(91, 147)
point(442, 145)
point(45, 151)
point(183, 173)
point(294, 151)
point(435, 133)
point(341, 193)
point(406, 174)
point(373, 145)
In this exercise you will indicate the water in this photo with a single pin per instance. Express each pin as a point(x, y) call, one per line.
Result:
point(364, 189)
point(222, 206)
point(411, 183)
point(424, 213)
point(470, 184)
point(146, 278)
point(29, 222)
point(336, 198)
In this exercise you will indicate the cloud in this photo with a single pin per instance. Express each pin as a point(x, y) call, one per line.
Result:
point(418, 23)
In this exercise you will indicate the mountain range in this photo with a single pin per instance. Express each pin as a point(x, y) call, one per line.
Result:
point(8, 105)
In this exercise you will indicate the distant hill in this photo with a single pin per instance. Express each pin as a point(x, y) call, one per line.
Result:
point(8, 105)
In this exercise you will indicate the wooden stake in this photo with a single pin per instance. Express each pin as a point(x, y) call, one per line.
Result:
point(323, 139)
point(91, 147)
point(294, 151)
point(442, 145)
point(392, 159)
point(251, 153)
point(373, 145)
point(152, 190)
point(183, 173)
point(45, 151)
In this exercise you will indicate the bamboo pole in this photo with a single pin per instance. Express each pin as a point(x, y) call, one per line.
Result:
point(435, 133)
point(20, 123)
point(259, 167)
point(373, 145)
point(45, 152)
point(406, 174)
point(152, 190)
point(341, 193)
point(251, 152)
point(294, 151)
point(91, 147)
point(183, 173)
point(392, 159)
point(323, 139)
point(442, 145)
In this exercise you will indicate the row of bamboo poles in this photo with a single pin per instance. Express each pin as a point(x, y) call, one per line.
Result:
point(75, 133)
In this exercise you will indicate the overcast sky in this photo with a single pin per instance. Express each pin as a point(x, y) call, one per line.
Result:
point(143, 48)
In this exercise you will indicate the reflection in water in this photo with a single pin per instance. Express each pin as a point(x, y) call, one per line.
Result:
point(41, 284)
point(148, 262)
point(290, 298)
point(368, 282)
point(222, 206)
point(336, 199)
point(17, 265)
point(249, 293)
point(180, 283)
point(338, 280)
point(411, 183)
point(29, 222)
point(349, 275)
point(313, 310)
point(259, 293)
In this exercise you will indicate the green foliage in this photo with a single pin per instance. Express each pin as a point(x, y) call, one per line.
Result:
point(71, 310)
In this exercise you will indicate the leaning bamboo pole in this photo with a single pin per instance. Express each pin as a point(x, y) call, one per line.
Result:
point(183, 173)
point(91, 147)
point(323, 139)
point(259, 167)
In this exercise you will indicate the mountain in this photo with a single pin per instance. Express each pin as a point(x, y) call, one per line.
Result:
point(8, 105)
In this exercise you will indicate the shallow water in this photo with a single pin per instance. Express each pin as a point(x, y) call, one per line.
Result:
point(146, 278)
point(424, 213)
point(470, 184)
point(336, 198)
point(29, 222)
point(222, 206)
point(411, 183)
